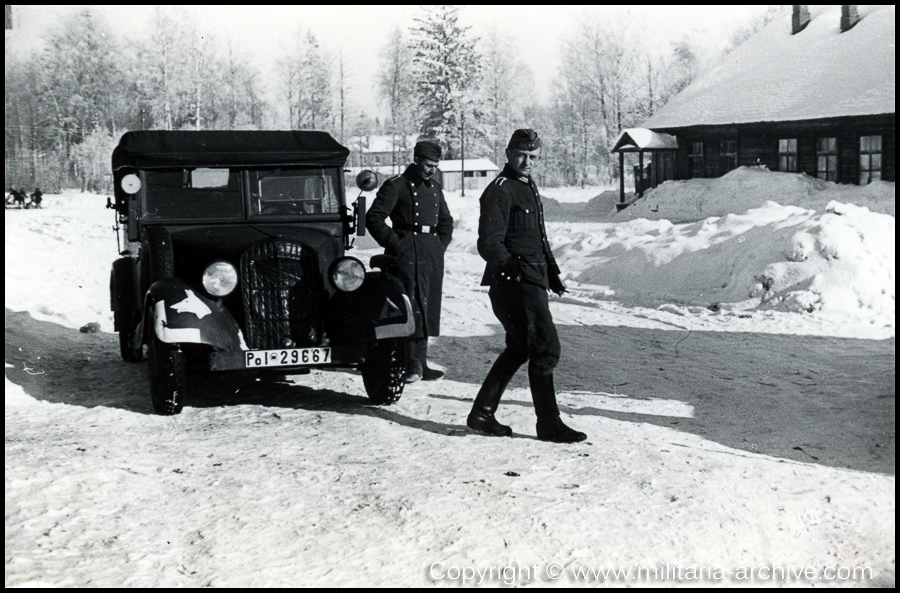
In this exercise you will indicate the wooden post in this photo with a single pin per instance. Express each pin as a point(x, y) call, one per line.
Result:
point(621, 177)
point(640, 173)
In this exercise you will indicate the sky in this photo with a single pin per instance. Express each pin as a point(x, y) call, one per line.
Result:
point(537, 33)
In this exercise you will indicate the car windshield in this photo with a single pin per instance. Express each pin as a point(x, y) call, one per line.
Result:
point(215, 193)
point(193, 194)
point(294, 191)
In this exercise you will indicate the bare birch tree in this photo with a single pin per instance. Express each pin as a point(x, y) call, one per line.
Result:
point(397, 90)
point(507, 81)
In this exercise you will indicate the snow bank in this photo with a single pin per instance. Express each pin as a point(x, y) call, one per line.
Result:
point(752, 187)
point(773, 245)
point(752, 240)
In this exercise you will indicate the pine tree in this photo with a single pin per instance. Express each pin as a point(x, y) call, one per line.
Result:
point(448, 71)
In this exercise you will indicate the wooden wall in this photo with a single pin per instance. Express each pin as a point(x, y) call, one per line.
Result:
point(758, 144)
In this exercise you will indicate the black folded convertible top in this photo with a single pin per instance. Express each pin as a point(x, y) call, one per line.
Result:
point(158, 148)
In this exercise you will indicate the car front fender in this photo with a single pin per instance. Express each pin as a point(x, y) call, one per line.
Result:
point(180, 315)
point(378, 310)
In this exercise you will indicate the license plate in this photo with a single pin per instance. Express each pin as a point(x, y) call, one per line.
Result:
point(287, 357)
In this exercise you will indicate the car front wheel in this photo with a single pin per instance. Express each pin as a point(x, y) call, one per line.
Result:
point(383, 371)
point(127, 348)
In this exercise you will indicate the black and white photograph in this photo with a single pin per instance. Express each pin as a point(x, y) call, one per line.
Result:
point(450, 296)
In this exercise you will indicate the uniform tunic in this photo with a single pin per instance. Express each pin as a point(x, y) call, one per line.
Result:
point(421, 229)
point(511, 225)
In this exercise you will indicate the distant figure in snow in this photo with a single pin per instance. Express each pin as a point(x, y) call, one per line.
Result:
point(36, 197)
point(19, 196)
point(520, 270)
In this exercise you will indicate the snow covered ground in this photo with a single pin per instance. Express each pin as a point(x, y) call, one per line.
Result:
point(728, 346)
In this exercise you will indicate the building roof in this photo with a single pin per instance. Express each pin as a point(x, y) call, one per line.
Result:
point(635, 139)
point(774, 76)
point(455, 166)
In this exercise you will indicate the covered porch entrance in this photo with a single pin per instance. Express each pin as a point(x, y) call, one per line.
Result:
point(661, 168)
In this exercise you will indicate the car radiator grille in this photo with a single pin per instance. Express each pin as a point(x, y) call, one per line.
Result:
point(282, 295)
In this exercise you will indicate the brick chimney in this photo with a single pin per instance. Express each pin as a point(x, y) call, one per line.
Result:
point(849, 17)
point(800, 18)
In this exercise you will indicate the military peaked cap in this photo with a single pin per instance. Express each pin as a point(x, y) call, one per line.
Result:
point(525, 139)
point(427, 150)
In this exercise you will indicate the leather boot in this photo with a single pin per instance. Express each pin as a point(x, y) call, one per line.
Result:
point(415, 359)
point(428, 373)
point(550, 426)
point(481, 418)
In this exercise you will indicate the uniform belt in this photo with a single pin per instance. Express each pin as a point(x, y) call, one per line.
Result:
point(415, 228)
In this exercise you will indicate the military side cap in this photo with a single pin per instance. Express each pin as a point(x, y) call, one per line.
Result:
point(525, 139)
point(428, 150)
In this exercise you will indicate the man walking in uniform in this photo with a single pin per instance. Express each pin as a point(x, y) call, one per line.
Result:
point(421, 228)
point(520, 270)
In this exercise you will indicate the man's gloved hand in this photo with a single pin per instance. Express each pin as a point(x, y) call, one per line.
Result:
point(556, 285)
point(510, 270)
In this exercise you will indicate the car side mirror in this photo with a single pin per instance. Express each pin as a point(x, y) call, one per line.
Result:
point(367, 180)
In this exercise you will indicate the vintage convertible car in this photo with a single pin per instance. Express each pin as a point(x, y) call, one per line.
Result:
point(233, 259)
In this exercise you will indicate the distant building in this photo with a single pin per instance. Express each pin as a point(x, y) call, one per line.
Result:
point(813, 93)
point(382, 153)
point(390, 155)
point(478, 173)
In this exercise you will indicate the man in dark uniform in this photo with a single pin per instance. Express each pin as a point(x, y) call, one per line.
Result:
point(36, 197)
point(421, 228)
point(520, 270)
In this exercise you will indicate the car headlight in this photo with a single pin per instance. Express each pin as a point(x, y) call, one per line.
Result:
point(220, 278)
point(348, 274)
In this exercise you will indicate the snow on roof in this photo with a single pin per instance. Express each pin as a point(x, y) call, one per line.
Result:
point(634, 139)
point(775, 76)
point(454, 166)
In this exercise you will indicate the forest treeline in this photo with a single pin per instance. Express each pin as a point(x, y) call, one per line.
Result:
point(67, 106)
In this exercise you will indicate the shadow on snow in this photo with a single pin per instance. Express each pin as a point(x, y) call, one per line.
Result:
point(812, 399)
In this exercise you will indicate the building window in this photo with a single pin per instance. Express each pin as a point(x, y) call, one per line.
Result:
point(826, 151)
point(728, 153)
point(869, 159)
point(695, 157)
point(787, 154)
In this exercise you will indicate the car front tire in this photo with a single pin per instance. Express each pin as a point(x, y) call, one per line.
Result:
point(383, 371)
